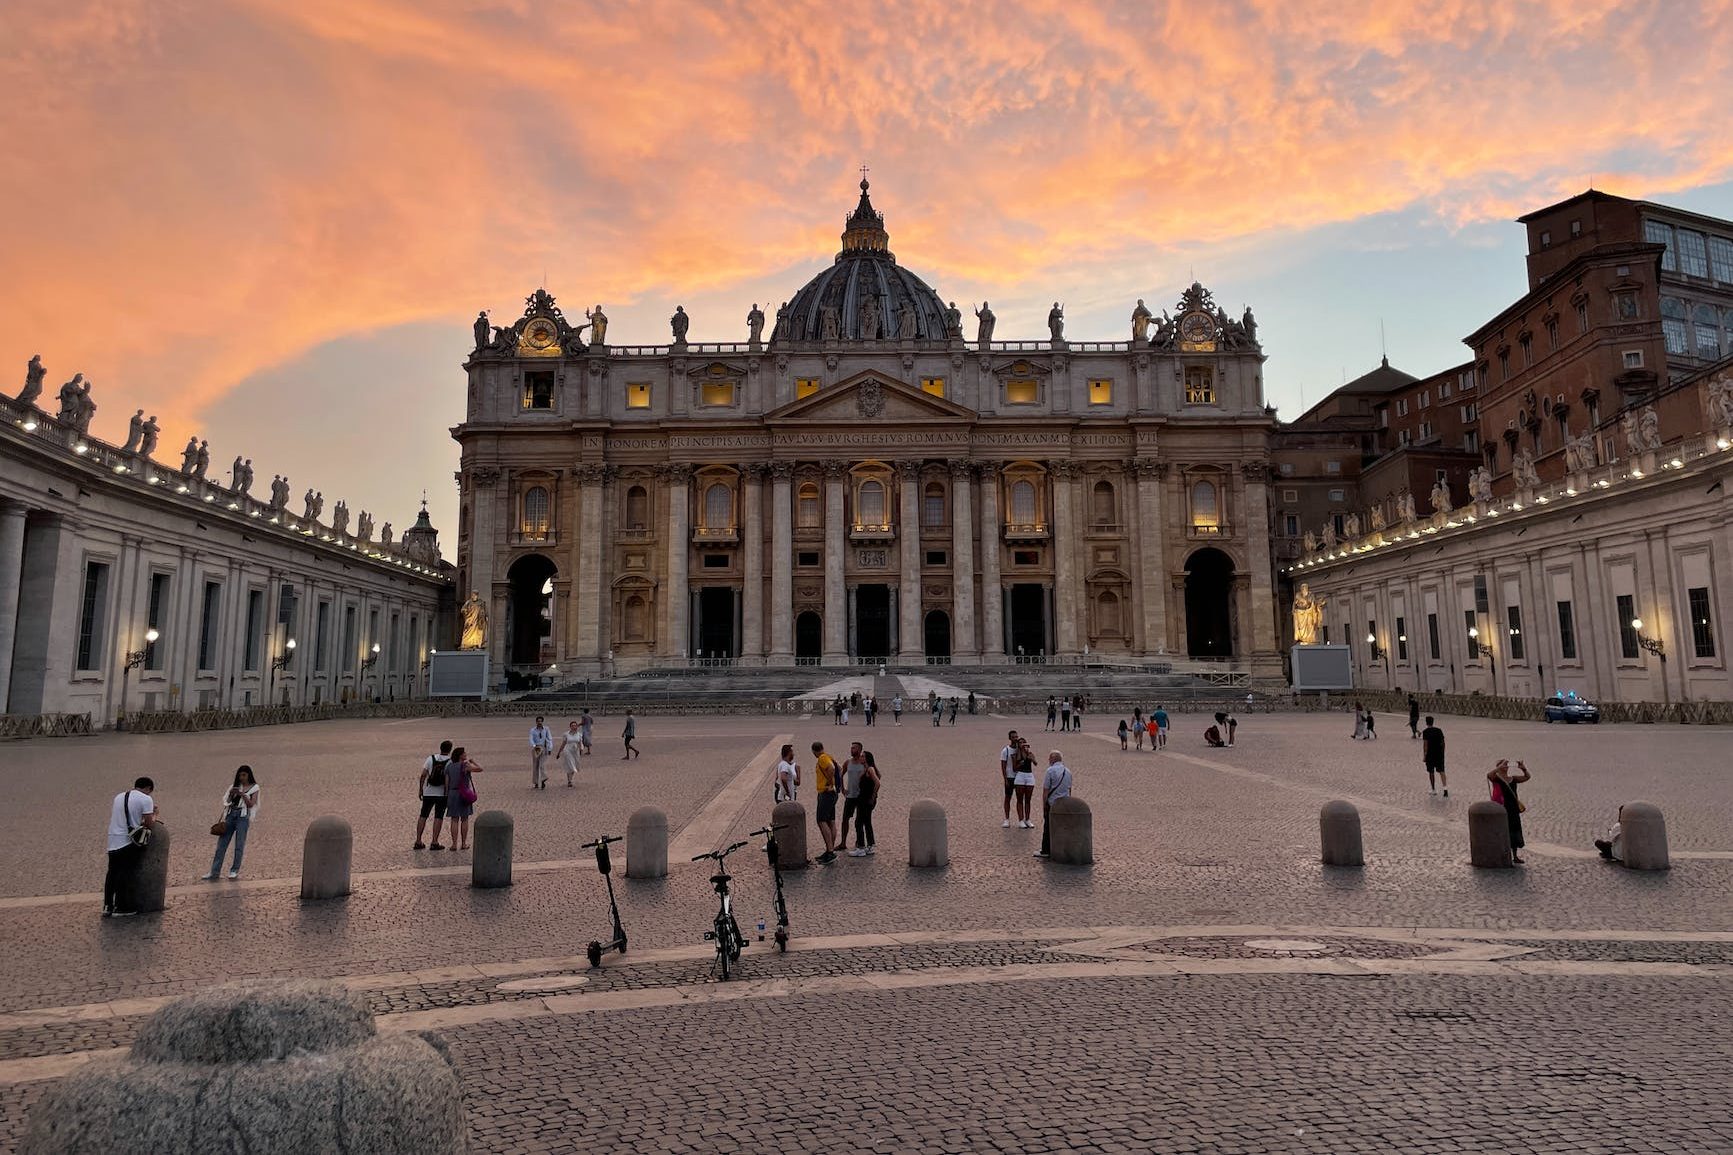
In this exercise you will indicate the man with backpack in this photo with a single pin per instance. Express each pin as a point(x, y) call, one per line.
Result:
point(130, 820)
point(433, 796)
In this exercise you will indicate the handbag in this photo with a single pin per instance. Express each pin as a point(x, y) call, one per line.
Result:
point(220, 827)
point(466, 789)
point(137, 835)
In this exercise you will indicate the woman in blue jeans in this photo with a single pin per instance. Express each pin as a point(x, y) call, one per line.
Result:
point(240, 805)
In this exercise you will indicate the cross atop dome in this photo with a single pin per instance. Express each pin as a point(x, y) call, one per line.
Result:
point(865, 227)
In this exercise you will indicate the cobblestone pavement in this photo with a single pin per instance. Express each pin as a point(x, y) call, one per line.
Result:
point(1015, 1032)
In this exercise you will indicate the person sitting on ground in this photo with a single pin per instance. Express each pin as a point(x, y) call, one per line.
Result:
point(1612, 847)
point(1213, 736)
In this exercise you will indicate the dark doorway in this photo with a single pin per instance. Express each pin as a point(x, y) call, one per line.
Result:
point(529, 611)
point(1209, 577)
point(716, 622)
point(872, 622)
point(938, 634)
point(808, 637)
point(1028, 619)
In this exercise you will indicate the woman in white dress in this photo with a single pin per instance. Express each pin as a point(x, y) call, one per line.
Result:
point(570, 743)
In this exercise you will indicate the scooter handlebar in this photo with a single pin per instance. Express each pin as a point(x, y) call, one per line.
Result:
point(603, 841)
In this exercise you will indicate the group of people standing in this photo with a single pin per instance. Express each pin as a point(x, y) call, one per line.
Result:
point(856, 782)
point(1017, 773)
point(447, 789)
point(1153, 726)
point(1065, 713)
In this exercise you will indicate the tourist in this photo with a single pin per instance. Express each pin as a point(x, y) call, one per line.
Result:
point(1125, 736)
point(1160, 717)
point(787, 776)
point(1612, 847)
point(937, 709)
point(630, 735)
point(866, 709)
point(1432, 750)
point(1023, 780)
point(1056, 784)
point(852, 770)
point(240, 804)
point(1007, 773)
point(897, 709)
point(1371, 725)
point(953, 709)
point(541, 745)
point(1077, 712)
point(847, 705)
point(1065, 713)
point(971, 703)
point(1413, 716)
point(824, 773)
point(434, 775)
point(865, 800)
point(130, 819)
point(587, 724)
point(1138, 727)
point(1359, 722)
point(1504, 793)
point(1052, 712)
point(571, 745)
point(1213, 736)
point(460, 796)
point(836, 709)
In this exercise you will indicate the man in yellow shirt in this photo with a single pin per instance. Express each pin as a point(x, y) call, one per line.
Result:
point(825, 770)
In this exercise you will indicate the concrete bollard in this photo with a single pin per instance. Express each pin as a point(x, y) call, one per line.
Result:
point(1339, 832)
point(1488, 836)
point(791, 839)
point(647, 844)
point(1645, 836)
point(325, 858)
point(150, 884)
point(929, 834)
point(1072, 839)
point(260, 1067)
point(491, 866)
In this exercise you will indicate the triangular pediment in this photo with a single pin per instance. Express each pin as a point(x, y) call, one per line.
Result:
point(869, 397)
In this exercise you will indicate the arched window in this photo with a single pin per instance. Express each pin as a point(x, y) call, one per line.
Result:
point(635, 618)
point(870, 503)
point(535, 519)
point(1205, 511)
point(1107, 613)
point(1023, 503)
point(718, 506)
point(637, 507)
point(933, 505)
point(1101, 510)
point(1708, 327)
point(806, 510)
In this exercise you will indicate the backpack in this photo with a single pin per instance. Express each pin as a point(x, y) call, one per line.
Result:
point(436, 776)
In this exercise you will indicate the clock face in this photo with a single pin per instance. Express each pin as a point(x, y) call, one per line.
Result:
point(1197, 329)
point(540, 333)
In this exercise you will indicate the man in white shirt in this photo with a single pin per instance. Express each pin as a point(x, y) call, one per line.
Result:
point(897, 709)
point(787, 776)
point(1008, 774)
point(435, 776)
point(132, 809)
point(1054, 786)
point(541, 745)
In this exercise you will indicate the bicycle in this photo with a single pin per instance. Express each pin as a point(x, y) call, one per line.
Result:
point(770, 852)
point(606, 866)
point(726, 933)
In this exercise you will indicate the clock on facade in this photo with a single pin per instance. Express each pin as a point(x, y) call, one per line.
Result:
point(1197, 332)
point(541, 334)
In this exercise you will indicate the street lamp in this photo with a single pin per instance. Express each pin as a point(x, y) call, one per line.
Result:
point(1657, 647)
point(372, 657)
point(282, 663)
point(134, 659)
point(1477, 648)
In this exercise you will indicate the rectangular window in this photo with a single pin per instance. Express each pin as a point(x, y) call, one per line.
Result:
point(1290, 525)
point(805, 387)
point(1287, 469)
point(1721, 259)
point(1402, 437)
point(1567, 632)
point(1200, 386)
point(1513, 630)
point(1657, 233)
point(1582, 316)
point(1332, 467)
point(1402, 407)
point(1425, 398)
point(1471, 633)
point(1432, 636)
point(715, 561)
point(1100, 391)
point(391, 645)
point(1336, 494)
point(1633, 358)
point(937, 557)
point(1401, 639)
point(1627, 611)
point(1025, 557)
point(716, 394)
point(933, 385)
point(1022, 391)
point(1290, 495)
point(348, 654)
point(806, 558)
point(322, 638)
point(539, 389)
point(156, 617)
point(92, 616)
point(1425, 430)
point(1702, 625)
point(637, 395)
point(1444, 390)
point(372, 630)
point(1471, 442)
point(255, 637)
point(209, 625)
point(1693, 254)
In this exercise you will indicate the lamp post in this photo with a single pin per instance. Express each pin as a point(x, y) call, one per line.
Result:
point(1657, 647)
point(1476, 648)
point(281, 662)
point(1377, 653)
point(134, 659)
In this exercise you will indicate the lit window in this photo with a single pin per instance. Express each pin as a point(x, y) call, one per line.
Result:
point(933, 385)
point(539, 390)
point(1205, 512)
point(933, 505)
point(805, 387)
point(1287, 469)
point(535, 519)
point(1199, 385)
point(806, 510)
point(718, 507)
point(716, 393)
point(870, 505)
point(638, 395)
point(1022, 391)
point(1023, 503)
point(1101, 391)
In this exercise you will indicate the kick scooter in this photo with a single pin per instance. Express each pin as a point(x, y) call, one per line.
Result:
point(606, 866)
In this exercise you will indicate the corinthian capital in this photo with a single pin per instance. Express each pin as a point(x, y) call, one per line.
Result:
point(782, 470)
point(961, 468)
point(908, 471)
point(1063, 470)
point(835, 468)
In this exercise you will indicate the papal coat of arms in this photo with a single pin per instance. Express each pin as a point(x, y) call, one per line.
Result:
point(871, 399)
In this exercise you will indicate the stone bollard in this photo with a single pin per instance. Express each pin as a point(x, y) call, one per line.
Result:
point(929, 834)
point(1339, 831)
point(325, 858)
point(1488, 835)
point(647, 844)
point(1645, 836)
point(791, 838)
point(150, 883)
point(491, 866)
point(1072, 839)
point(269, 1068)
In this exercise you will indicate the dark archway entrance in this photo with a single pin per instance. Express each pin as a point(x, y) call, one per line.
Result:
point(1028, 607)
point(1209, 579)
point(872, 622)
point(808, 637)
point(716, 622)
point(529, 611)
point(938, 634)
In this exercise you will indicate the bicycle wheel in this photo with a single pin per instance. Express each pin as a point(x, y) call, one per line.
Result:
point(724, 947)
point(739, 940)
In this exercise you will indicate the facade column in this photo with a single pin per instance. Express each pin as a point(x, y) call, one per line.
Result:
point(781, 564)
point(11, 575)
point(1152, 564)
point(1261, 639)
point(677, 637)
point(835, 613)
point(963, 647)
point(992, 588)
point(912, 640)
point(587, 648)
point(752, 566)
point(1064, 561)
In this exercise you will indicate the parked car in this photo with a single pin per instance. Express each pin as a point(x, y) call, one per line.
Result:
point(1570, 708)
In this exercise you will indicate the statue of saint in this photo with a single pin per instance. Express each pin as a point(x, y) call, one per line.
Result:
point(679, 323)
point(147, 443)
point(247, 477)
point(385, 534)
point(781, 333)
point(1250, 324)
point(984, 333)
point(69, 399)
point(1633, 438)
point(309, 511)
point(190, 455)
point(1441, 498)
point(1308, 616)
point(134, 432)
point(86, 410)
point(755, 324)
point(1056, 322)
point(474, 623)
point(906, 321)
point(482, 329)
point(1651, 427)
point(364, 526)
point(1140, 319)
point(202, 464)
point(1351, 526)
point(829, 323)
point(1376, 517)
point(33, 375)
point(1311, 541)
point(953, 322)
point(235, 475)
point(869, 317)
point(340, 518)
point(1721, 401)
point(1329, 535)
point(598, 321)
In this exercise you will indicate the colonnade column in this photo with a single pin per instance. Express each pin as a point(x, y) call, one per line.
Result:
point(587, 648)
point(11, 575)
point(1064, 561)
point(992, 591)
point(678, 639)
point(1152, 563)
point(963, 646)
point(781, 564)
point(912, 641)
point(835, 616)
point(752, 566)
point(1262, 639)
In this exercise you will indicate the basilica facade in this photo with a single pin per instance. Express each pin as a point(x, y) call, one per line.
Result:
point(866, 483)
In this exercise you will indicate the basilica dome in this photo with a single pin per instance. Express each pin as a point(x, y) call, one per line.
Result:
point(865, 294)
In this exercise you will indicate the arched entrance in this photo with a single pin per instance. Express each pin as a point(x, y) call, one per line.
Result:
point(1209, 577)
point(808, 637)
point(529, 610)
point(937, 635)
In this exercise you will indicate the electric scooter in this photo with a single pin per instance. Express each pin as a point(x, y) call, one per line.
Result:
point(770, 852)
point(606, 866)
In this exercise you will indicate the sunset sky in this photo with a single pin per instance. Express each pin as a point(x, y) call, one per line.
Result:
point(271, 221)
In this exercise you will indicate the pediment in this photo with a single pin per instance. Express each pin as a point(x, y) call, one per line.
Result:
point(1011, 368)
point(869, 397)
